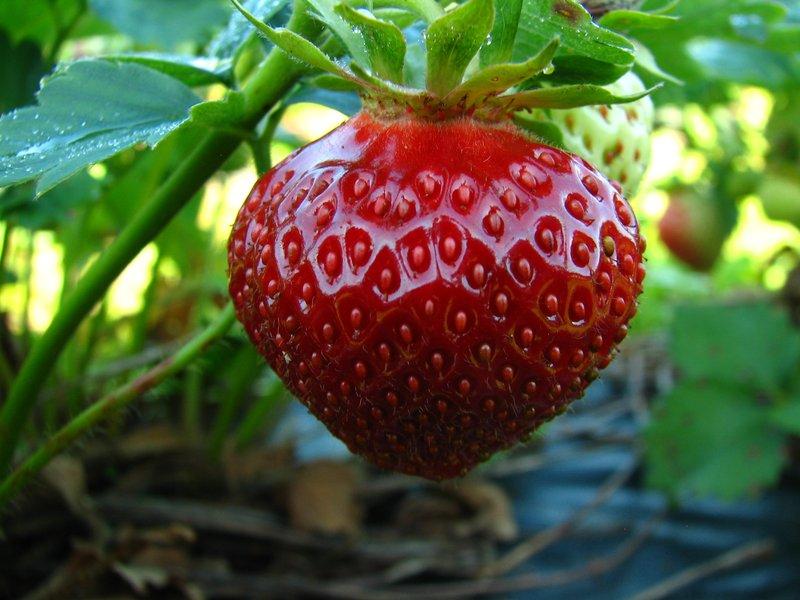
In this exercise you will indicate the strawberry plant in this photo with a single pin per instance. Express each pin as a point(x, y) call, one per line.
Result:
point(434, 279)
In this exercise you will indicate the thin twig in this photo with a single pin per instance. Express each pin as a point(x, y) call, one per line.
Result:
point(111, 404)
point(724, 562)
point(535, 544)
point(528, 581)
point(239, 585)
point(253, 524)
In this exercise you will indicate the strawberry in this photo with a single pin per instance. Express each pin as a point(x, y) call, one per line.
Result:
point(615, 138)
point(432, 283)
point(695, 227)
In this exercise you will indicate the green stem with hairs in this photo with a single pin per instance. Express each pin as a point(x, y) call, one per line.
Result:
point(242, 373)
point(274, 78)
point(192, 403)
point(258, 415)
point(112, 403)
point(4, 249)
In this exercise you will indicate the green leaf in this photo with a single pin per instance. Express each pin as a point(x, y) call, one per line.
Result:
point(588, 54)
point(227, 42)
point(386, 46)
point(163, 24)
point(712, 440)
point(82, 118)
point(783, 38)
point(21, 68)
point(744, 63)
point(567, 96)
point(706, 19)
point(500, 47)
point(52, 208)
point(453, 40)
point(191, 70)
point(786, 417)
point(39, 21)
point(752, 344)
point(497, 78)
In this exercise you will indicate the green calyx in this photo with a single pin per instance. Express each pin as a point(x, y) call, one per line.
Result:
point(468, 68)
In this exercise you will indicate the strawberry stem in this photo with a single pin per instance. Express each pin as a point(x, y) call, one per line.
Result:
point(277, 75)
point(112, 403)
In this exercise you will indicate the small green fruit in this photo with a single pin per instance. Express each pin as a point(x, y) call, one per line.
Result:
point(614, 138)
point(780, 194)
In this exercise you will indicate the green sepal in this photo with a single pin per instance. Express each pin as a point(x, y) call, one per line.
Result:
point(647, 62)
point(567, 96)
point(504, 32)
point(427, 9)
point(295, 45)
point(335, 83)
point(371, 84)
point(386, 46)
point(453, 40)
point(624, 20)
point(352, 40)
point(544, 131)
point(496, 79)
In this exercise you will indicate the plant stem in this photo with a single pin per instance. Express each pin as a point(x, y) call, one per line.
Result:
point(141, 321)
point(257, 416)
point(275, 77)
point(262, 147)
point(243, 370)
point(113, 402)
point(28, 254)
point(83, 358)
point(192, 389)
point(4, 250)
point(6, 372)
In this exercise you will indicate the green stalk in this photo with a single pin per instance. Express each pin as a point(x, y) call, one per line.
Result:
point(112, 403)
point(28, 252)
point(243, 371)
point(275, 77)
point(139, 333)
point(83, 358)
point(4, 248)
point(192, 402)
point(257, 417)
point(262, 147)
point(6, 372)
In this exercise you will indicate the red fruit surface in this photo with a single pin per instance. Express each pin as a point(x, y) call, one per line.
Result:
point(433, 292)
point(694, 228)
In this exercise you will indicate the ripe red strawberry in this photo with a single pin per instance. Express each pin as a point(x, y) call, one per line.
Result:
point(695, 227)
point(433, 292)
point(428, 280)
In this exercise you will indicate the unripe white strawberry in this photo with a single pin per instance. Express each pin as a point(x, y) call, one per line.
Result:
point(616, 139)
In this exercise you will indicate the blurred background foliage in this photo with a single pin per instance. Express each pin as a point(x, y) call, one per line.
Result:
point(726, 153)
